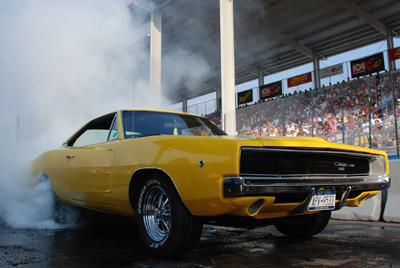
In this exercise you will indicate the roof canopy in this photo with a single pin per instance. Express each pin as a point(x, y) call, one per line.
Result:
point(272, 35)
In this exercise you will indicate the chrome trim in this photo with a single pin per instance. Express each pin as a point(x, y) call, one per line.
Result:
point(303, 206)
point(239, 186)
point(302, 179)
point(343, 199)
point(304, 175)
point(157, 213)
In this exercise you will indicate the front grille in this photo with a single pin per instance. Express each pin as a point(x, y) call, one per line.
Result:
point(275, 162)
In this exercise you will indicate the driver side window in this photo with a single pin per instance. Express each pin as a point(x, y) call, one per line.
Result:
point(96, 131)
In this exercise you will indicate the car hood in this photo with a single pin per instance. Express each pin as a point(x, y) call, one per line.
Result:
point(298, 143)
point(193, 142)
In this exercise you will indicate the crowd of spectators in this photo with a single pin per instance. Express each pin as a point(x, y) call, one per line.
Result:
point(359, 112)
point(215, 117)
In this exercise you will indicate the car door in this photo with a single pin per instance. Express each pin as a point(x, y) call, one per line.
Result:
point(89, 163)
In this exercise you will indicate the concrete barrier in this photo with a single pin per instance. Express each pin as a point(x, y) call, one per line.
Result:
point(370, 211)
point(392, 209)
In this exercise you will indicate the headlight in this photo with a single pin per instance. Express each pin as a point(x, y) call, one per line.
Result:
point(378, 166)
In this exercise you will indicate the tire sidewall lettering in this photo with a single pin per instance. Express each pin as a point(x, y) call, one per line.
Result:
point(159, 244)
point(143, 190)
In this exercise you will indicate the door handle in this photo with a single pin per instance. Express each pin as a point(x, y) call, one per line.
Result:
point(70, 156)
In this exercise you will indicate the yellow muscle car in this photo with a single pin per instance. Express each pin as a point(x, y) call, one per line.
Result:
point(175, 171)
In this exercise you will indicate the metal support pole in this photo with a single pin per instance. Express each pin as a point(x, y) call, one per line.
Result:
point(390, 45)
point(395, 118)
point(184, 105)
point(260, 77)
point(317, 77)
point(155, 54)
point(227, 67)
point(312, 113)
point(369, 117)
point(218, 103)
point(342, 126)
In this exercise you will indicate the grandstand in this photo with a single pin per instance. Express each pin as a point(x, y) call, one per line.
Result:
point(361, 112)
point(263, 38)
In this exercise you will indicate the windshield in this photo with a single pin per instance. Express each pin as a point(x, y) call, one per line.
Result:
point(148, 123)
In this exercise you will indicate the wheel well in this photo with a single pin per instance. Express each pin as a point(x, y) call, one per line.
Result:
point(142, 174)
point(42, 176)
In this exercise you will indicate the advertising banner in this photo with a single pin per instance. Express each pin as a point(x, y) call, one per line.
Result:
point(368, 65)
point(394, 54)
point(331, 70)
point(245, 96)
point(271, 90)
point(299, 79)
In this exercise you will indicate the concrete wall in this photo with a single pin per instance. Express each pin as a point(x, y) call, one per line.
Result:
point(371, 210)
point(392, 210)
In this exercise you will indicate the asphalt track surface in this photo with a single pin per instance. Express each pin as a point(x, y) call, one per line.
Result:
point(111, 242)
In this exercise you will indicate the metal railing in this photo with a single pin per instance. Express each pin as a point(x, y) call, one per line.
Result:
point(363, 112)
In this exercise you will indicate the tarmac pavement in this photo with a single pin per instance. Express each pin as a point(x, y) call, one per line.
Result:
point(112, 242)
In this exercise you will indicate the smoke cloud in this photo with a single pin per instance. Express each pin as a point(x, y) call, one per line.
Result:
point(189, 70)
point(63, 63)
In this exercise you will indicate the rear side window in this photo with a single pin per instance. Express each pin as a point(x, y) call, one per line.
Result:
point(96, 131)
point(92, 136)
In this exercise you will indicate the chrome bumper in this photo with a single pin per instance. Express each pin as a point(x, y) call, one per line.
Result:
point(264, 186)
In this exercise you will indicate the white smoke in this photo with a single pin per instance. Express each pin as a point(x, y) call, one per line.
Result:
point(188, 71)
point(61, 64)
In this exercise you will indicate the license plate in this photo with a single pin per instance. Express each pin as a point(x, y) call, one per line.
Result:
point(323, 200)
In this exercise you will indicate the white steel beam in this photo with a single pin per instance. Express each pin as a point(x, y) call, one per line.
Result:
point(363, 14)
point(228, 113)
point(155, 54)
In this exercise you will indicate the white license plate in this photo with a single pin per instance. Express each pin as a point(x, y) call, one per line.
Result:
point(323, 200)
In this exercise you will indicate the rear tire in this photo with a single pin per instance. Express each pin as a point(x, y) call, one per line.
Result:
point(304, 226)
point(165, 227)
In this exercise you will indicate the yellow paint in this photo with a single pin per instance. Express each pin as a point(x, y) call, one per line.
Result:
point(120, 129)
point(98, 176)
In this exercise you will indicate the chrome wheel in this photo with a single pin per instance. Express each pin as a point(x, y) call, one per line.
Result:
point(156, 213)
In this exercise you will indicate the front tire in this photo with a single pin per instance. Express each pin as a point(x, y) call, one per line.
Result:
point(165, 226)
point(304, 226)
